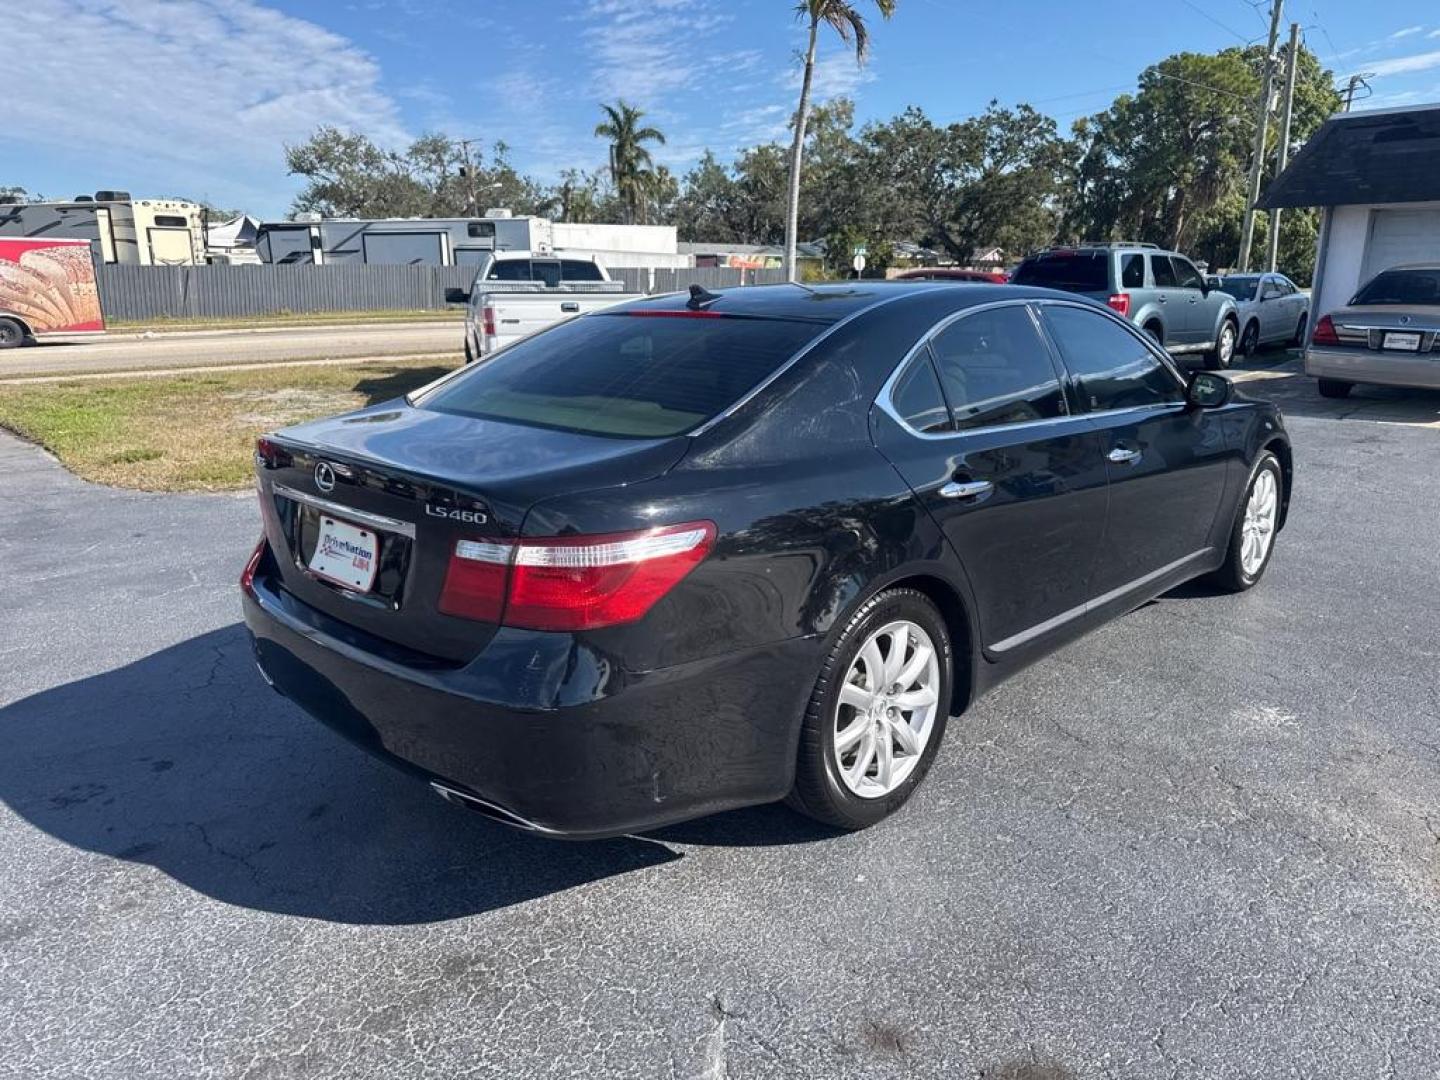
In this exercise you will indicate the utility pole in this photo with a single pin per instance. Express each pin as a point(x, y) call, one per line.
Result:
point(1292, 64)
point(474, 205)
point(1262, 128)
point(1357, 80)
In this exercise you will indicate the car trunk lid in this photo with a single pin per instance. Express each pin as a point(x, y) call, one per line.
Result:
point(416, 482)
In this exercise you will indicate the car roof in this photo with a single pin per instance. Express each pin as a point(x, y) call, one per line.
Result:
point(1412, 266)
point(831, 303)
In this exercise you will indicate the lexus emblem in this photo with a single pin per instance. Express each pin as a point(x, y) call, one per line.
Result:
point(324, 477)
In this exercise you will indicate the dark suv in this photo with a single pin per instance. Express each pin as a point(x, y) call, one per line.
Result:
point(1161, 292)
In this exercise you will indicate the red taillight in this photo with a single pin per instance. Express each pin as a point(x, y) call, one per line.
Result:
point(572, 583)
point(1120, 302)
point(247, 576)
point(487, 321)
point(475, 581)
point(1325, 332)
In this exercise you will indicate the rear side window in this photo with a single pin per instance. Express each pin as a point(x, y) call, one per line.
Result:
point(1162, 272)
point(625, 375)
point(1132, 271)
point(995, 369)
point(510, 270)
point(917, 397)
point(1073, 271)
point(1111, 367)
point(579, 270)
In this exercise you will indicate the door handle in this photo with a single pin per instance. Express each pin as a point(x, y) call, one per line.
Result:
point(1161, 298)
point(1122, 456)
point(969, 489)
point(570, 306)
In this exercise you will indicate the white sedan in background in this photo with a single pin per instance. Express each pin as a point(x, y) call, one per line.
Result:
point(1271, 309)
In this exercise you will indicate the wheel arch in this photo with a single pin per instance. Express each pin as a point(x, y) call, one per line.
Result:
point(1281, 449)
point(25, 328)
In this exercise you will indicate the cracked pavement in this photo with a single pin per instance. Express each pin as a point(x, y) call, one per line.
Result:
point(1203, 842)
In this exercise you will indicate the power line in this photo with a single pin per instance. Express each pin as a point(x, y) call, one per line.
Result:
point(1206, 15)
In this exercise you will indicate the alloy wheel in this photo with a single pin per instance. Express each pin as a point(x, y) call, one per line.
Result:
point(1225, 352)
point(887, 709)
point(1257, 531)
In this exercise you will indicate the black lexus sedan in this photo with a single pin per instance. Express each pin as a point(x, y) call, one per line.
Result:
point(703, 551)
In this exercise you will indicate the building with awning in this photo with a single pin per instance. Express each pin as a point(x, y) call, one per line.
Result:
point(1375, 175)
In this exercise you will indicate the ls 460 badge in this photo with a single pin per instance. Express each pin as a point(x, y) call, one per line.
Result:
point(469, 517)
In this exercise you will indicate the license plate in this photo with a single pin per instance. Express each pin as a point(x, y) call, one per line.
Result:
point(1408, 342)
point(346, 554)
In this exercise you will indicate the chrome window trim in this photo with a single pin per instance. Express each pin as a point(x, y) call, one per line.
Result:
point(886, 405)
point(378, 521)
point(804, 351)
point(1033, 304)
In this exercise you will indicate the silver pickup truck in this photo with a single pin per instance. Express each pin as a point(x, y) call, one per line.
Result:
point(516, 294)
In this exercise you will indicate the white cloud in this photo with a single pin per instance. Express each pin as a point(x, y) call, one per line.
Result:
point(1407, 32)
point(1433, 34)
point(206, 94)
point(1402, 65)
point(644, 50)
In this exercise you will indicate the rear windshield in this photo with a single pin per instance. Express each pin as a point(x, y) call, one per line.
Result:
point(625, 375)
point(1401, 287)
point(1241, 288)
point(1073, 271)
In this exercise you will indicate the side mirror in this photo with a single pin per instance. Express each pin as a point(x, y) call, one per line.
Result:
point(1208, 390)
point(457, 296)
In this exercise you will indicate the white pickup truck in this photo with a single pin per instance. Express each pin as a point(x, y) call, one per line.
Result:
point(517, 293)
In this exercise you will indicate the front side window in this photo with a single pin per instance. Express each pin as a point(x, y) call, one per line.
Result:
point(995, 369)
point(917, 398)
point(1186, 274)
point(1112, 368)
point(1162, 272)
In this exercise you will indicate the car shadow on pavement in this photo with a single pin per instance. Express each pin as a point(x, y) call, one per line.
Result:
point(185, 760)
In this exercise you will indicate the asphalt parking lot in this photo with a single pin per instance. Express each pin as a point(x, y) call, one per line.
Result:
point(1204, 842)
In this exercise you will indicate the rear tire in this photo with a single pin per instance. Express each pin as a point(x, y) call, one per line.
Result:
point(1334, 388)
point(827, 782)
point(1154, 330)
point(1245, 562)
point(12, 334)
point(1223, 352)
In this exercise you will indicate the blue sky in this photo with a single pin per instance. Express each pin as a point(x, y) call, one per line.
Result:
point(197, 97)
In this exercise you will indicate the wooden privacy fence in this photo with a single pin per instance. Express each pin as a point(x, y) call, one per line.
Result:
point(222, 292)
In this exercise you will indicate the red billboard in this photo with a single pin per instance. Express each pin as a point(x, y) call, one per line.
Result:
point(49, 285)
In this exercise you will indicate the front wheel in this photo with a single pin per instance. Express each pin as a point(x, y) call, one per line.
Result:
point(12, 334)
point(876, 717)
point(1218, 358)
point(1253, 537)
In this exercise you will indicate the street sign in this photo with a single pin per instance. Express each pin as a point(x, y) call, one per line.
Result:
point(861, 250)
point(859, 263)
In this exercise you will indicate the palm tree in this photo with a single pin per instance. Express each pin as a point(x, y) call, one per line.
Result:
point(630, 162)
point(845, 20)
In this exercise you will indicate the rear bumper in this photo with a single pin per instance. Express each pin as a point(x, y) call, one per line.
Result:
point(1374, 366)
point(543, 732)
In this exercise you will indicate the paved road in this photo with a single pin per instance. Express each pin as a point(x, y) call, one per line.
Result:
point(135, 352)
point(1201, 843)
